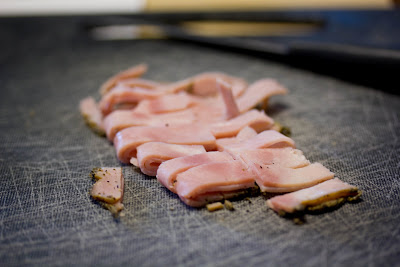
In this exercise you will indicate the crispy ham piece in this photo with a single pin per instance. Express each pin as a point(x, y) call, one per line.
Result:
point(266, 139)
point(133, 72)
point(213, 182)
point(109, 187)
point(320, 196)
point(127, 140)
point(92, 114)
point(279, 179)
point(259, 92)
point(168, 170)
point(255, 119)
point(151, 155)
point(286, 157)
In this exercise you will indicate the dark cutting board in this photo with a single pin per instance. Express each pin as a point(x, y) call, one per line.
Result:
point(47, 152)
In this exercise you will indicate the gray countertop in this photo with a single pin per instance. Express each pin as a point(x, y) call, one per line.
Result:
point(47, 152)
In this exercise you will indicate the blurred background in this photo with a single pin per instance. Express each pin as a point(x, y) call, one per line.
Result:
point(354, 40)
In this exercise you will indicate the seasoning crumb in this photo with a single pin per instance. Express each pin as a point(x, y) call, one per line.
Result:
point(171, 208)
point(228, 205)
point(248, 199)
point(214, 206)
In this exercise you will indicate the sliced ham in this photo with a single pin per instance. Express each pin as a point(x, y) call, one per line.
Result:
point(322, 195)
point(166, 103)
point(127, 140)
point(92, 114)
point(266, 139)
point(255, 119)
point(137, 82)
point(211, 182)
point(258, 92)
point(133, 72)
point(168, 170)
point(121, 119)
point(231, 108)
point(205, 84)
point(151, 155)
point(244, 134)
point(125, 95)
point(109, 187)
point(285, 157)
point(278, 179)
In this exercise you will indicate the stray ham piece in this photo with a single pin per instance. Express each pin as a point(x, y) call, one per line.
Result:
point(323, 195)
point(266, 139)
point(213, 182)
point(127, 140)
point(151, 155)
point(286, 157)
point(92, 114)
point(121, 119)
point(125, 95)
point(109, 187)
point(168, 170)
point(133, 72)
point(278, 179)
point(258, 92)
point(255, 119)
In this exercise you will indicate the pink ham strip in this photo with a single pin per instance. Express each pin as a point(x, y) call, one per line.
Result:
point(168, 170)
point(213, 181)
point(231, 108)
point(285, 157)
point(109, 188)
point(205, 84)
point(133, 72)
point(127, 140)
point(151, 155)
point(92, 114)
point(125, 95)
point(316, 195)
point(244, 134)
point(121, 119)
point(258, 92)
point(278, 179)
point(253, 118)
point(266, 139)
point(136, 82)
point(166, 103)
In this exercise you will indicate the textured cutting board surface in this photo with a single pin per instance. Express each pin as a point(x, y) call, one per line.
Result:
point(47, 152)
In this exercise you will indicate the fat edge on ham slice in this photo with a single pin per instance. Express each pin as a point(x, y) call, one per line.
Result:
point(320, 196)
point(127, 140)
point(168, 170)
point(212, 182)
point(279, 179)
point(151, 155)
point(109, 188)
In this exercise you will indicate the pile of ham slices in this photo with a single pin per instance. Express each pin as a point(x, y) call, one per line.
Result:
point(204, 140)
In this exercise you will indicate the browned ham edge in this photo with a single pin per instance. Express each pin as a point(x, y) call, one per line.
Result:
point(324, 195)
point(92, 115)
point(109, 188)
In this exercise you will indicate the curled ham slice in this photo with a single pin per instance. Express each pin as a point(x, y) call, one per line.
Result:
point(278, 179)
point(322, 195)
point(127, 140)
point(133, 72)
point(258, 92)
point(255, 119)
point(168, 170)
point(244, 134)
point(285, 157)
point(137, 82)
point(266, 139)
point(125, 95)
point(151, 155)
point(211, 182)
point(231, 108)
point(121, 119)
point(205, 84)
point(166, 103)
point(109, 187)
